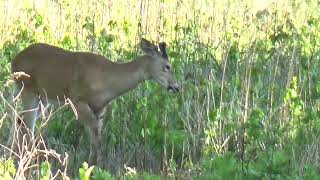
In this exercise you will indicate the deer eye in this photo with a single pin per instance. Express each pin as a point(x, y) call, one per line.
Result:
point(166, 68)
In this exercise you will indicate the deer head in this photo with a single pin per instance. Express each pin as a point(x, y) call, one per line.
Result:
point(159, 67)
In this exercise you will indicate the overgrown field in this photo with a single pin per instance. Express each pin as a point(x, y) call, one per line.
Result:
point(250, 76)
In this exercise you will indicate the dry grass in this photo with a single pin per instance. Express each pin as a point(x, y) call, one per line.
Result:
point(29, 151)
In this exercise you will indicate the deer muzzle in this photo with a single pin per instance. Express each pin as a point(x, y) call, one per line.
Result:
point(173, 88)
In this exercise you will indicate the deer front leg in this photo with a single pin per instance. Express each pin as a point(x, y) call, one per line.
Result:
point(88, 118)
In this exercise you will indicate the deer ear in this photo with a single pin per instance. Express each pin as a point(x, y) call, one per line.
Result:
point(162, 47)
point(148, 47)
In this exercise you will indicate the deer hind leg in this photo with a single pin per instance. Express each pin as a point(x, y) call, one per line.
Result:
point(23, 127)
point(89, 119)
point(30, 103)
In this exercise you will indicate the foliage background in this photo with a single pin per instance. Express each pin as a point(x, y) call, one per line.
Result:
point(249, 70)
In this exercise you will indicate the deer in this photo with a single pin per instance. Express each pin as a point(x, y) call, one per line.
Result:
point(90, 81)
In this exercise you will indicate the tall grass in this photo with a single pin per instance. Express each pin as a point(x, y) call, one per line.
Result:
point(249, 105)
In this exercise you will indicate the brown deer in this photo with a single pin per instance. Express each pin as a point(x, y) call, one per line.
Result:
point(89, 80)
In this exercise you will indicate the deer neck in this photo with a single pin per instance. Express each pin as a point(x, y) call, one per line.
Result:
point(127, 76)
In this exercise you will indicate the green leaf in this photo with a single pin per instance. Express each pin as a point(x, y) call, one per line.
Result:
point(85, 171)
point(45, 171)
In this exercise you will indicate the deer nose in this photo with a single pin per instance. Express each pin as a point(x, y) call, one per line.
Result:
point(173, 88)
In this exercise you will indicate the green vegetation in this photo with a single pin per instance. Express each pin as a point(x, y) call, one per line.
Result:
point(250, 75)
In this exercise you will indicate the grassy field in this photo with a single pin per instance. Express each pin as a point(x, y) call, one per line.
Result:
point(249, 71)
